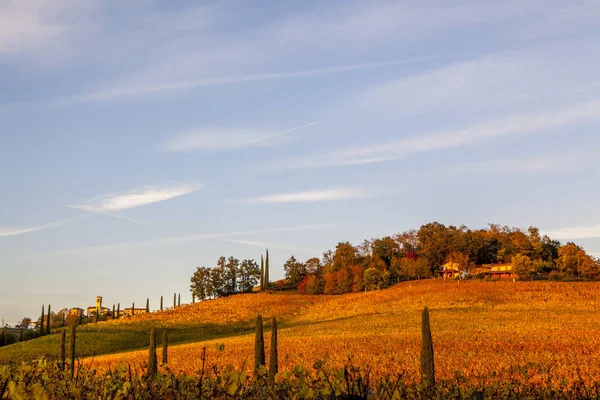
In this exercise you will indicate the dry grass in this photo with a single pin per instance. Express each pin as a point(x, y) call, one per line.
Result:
point(539, 332)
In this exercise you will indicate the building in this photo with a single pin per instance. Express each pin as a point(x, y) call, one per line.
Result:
point(93, 310)
point(77, 312)
point(502, 271)
point(452, 270)
point(137, 311)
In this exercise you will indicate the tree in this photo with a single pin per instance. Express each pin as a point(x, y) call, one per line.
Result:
point(295, 271)
point(311, 284)
point(248, 275)
point(231, 270)
point(259, 345)
point(72, 354)
point(344, 255)
point(262, 273)
point(267, 270)
point(152, 361)
point(313, 266)
point(435, 244)
point(522, 266)
point(217, 282)
point(427, 362)
point(25, 322)
point(42, 332)
point(201, 284)
point(48, 318)
point(373, 279)
point(385, 249)
point(273, 356)
point(147, 305)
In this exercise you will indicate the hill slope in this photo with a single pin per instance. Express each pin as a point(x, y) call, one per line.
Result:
point(478, 327)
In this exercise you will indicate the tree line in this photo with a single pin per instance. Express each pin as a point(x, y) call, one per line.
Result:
point(230, 276)
point(417, 254)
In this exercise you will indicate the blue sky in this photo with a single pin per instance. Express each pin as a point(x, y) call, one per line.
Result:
point(141, 139)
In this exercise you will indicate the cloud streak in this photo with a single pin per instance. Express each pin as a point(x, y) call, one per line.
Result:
point(509, 126)
point(310, 196)
point(5, 232)
point(191, 237)
point(137, 90)
point(270, 245)
point(138, 197)
point(219, 140)
point(575, 232)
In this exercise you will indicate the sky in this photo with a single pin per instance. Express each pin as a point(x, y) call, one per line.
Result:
point(142, 139)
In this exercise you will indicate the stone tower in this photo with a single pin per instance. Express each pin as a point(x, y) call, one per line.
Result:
point(99, 303)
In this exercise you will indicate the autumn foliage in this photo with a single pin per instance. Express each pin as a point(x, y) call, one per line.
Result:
point(542, 333)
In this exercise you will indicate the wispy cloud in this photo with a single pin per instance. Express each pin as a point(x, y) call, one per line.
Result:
point(218, 140)
point(193, 237)
point(271, 245)
point(311, 196)
point(148, 88)
point(575, 232)
point(21, 231)
point(138, 197)
point(513, 125)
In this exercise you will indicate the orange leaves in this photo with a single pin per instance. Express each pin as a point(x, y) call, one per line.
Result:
point(531, 332)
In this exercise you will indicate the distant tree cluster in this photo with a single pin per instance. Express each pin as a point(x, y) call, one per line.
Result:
point(229, 276)
point(417, 254)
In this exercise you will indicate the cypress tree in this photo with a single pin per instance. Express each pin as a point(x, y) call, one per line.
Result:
point(72, 354)
point(161, 303)
point(81, 317)
point(267, 271)
point(113, 313)
point(147, 305)
point(262, 273)
point(273, 359)
point(152, 364)
point(42, 332)
point(118, 310)
point(179, 300)
point(165, 347)
point(259, 345)
point(62, 349)
point(193, 298)
point(427, 365)
point(48, 321)
point(174, 300)
point(64, 319)
point(21, 334)
point(132, 309)
point(97, 313)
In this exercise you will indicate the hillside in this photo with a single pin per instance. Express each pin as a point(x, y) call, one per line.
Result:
point(478, 327)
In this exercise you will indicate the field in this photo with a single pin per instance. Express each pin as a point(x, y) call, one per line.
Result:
point(533, 332)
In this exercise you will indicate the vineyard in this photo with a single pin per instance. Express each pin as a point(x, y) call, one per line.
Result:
point(485, 334)
point(482, 331)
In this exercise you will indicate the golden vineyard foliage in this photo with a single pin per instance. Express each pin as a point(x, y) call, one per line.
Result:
point(541, 333)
